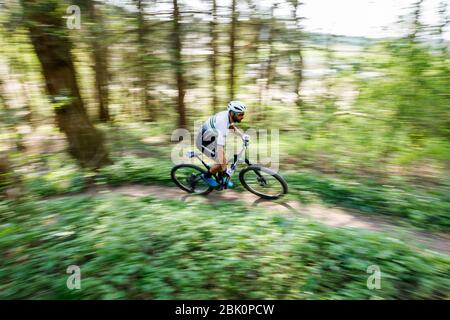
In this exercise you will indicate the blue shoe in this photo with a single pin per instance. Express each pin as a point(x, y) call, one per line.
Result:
point(230, 184)
point(210, 181)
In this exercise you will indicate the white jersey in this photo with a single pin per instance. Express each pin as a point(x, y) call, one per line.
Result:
point(219, 123)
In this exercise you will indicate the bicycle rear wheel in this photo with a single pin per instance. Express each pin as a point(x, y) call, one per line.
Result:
point(187, 177)
point(263, 182)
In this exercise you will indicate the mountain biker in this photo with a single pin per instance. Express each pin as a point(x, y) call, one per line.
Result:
point(211, 138)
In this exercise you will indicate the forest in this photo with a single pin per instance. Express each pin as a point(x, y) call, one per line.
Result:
point(91, 93)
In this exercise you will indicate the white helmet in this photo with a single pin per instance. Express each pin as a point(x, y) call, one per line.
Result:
point(236, 106)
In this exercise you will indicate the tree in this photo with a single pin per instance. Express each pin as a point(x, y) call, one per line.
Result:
point(267, 63)
point(178, 63)
point(100, 54)
point(298, 58)
point(214, 56)
point(10, 182)
point(416, 24)
point(52, 46)
point(101, 64)
point(6, 175)
point(143, 61)
point(232, 73)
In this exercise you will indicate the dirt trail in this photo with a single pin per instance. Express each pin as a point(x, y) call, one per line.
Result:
point(331, 216)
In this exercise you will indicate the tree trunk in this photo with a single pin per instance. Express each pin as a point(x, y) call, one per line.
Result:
point(267, 64)
point(100, 54)
point(51, 43)
point(270, 64)
point(214, 62)
point(417, 26)
point(232, 50)
point(10, 183)
point(298, 68)
point(2, 98)
point(260, 60)
point(3, 95)
point(5, 171)
point(144, 78)
point(179, 67)
point(5, 174)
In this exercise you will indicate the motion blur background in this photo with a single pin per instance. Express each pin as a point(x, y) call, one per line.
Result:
point(89, 97)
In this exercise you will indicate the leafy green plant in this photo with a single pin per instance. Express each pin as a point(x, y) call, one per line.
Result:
point(153, 249)
point(427, 210)
point(137, 170)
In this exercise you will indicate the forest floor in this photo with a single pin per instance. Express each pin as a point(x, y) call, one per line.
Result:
point(331, 216)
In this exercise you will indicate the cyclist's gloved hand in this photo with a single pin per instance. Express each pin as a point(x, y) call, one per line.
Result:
point(246, 137)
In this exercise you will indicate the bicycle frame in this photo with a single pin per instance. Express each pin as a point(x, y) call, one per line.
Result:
point(237, 158)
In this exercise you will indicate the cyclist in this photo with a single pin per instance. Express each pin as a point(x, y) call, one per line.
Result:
point(211, 138)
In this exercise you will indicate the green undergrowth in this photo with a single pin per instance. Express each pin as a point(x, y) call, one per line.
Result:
point(147, 248)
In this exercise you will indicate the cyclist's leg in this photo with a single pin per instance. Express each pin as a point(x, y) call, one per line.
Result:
point(221, 161)
point(221, 166)
point(206, 143)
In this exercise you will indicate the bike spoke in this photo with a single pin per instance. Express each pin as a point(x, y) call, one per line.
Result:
point(263, 183)
point(190, 179)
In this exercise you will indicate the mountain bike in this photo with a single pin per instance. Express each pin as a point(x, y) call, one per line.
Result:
point(259, 180)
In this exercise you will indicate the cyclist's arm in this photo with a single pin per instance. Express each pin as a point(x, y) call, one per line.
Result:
point(237, 131)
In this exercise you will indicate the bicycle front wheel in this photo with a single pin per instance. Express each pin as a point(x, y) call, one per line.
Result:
point(263, 182)
point(187, 177)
